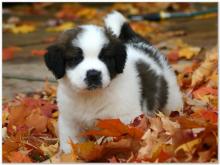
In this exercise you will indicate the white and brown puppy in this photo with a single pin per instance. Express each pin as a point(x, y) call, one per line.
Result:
point(109, 72)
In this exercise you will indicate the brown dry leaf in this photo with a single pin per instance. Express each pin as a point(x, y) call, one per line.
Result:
point(206, 68)
point(149, 139)
point(169, 126)
point(213, 80)
point(155, 124)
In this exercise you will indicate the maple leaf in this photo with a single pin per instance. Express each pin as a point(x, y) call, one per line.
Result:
point(8, 53)
point(36, 120)
point(115, 128)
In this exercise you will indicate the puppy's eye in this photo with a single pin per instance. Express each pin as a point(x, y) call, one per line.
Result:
point(74, 56)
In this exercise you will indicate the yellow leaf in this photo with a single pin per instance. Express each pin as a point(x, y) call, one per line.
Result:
point(23, 29)
point(62, 27)
point(188, 147)
point(189, 52)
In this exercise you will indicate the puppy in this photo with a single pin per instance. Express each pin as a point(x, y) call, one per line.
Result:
point(109, 72)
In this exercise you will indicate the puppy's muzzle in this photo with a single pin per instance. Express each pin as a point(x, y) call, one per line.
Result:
point(93, 79)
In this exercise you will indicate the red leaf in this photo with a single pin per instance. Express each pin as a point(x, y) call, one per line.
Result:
point(8, 53)
point(173, 56)
point(163, 156)
point(38, 52)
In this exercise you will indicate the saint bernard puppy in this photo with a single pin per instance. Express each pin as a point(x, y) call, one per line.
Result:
point(108, 72)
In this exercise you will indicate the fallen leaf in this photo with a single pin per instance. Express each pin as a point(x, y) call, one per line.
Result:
point(49, 150)
point(206, 68)
point(38, 52)
point(8, 53)
point(173, 56)
point(115, 128)
point(189, 146)
point(18, 157)
point(23, 29)
point(207, 115)
point(61, 28)
point(204, 91)
point(188, 52)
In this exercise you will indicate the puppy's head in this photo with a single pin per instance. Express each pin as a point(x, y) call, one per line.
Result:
point(88, 56)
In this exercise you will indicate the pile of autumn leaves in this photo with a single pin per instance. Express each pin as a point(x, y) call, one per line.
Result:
point(30, 135)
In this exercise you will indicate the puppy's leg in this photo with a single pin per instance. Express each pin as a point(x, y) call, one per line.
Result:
point(67, 131)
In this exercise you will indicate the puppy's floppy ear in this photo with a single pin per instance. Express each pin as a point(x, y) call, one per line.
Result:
point(54, 59)
point(120, 57)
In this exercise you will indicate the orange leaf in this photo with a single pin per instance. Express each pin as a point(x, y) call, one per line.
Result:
point(208, 115)
point(17, 157)
point(204, 91)
point(38, 52)
point(115, 128)
point(37, 121)
point(8, 53)
point(87, 151)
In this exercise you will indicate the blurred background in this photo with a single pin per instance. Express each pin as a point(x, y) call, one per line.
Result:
point(28, 28)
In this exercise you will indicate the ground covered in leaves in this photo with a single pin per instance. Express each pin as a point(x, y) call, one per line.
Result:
point(29, 121)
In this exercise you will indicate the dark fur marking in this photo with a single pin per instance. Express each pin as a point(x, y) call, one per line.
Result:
point(154, 88)
point(127, 35)
point(114, 56)
point(54, 60)
point(148, 83)
point(59, 55)
point(163, 95)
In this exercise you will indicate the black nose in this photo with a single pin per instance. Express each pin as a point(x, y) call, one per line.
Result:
point(93, 78)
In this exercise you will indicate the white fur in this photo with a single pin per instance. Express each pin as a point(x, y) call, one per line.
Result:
point(120, 97)
point(114, 21)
